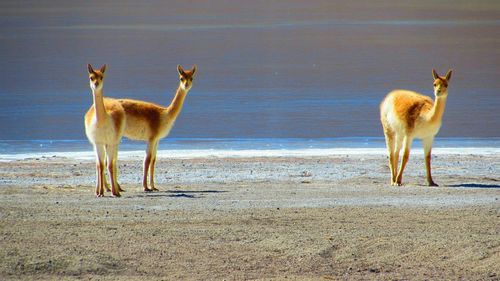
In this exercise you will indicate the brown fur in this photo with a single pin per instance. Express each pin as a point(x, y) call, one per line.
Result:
point(411, 107)
point(144, 112)
point(115, 111)
point(151, 122)
point(406, 115)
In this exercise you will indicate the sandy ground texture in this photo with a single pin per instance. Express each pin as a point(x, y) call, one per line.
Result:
point(310, 218)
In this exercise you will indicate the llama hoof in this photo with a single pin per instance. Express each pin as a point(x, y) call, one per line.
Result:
point(119, 188)
point(433, 184)
point(154, 189)
point(147, 190)
point(116, 195)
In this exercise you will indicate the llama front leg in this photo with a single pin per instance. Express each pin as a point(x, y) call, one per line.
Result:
point(100, 162)
point(427, 143)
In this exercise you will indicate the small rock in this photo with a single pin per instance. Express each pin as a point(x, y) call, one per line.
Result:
point(306, 174)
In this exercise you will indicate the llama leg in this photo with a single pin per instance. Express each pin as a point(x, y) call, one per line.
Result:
point(389, 142)
point(147, 164)
point(427, 153)
point(398, 143)
point(107, 187)
point(120, 189)
point(154, 148)
point(100, 159)
point(406, 155)
point(115, 166)
point(112, 153)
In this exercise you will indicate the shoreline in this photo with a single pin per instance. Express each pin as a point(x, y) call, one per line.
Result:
point(455, 172)
point(204, 147)
point(249, 153)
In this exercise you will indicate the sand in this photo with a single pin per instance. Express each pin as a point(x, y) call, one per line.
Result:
point(257, 218)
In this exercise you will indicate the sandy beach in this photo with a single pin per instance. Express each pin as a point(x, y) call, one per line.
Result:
point(255, 218)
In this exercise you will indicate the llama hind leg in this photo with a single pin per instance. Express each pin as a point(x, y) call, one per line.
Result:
point(118, 186)
point(427, 143)
point(390, 144)
point(147, 165)
point(112, 155)
point(406, 155)
point(154, 148)
point(107, 186)
point(398, 143)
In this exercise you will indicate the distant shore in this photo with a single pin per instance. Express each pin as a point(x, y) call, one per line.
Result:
point(237, 218)
point(245, 147)
point(241, 148)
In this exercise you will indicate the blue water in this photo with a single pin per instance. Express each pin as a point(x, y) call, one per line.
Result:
point(269, 72)
point(48, 146)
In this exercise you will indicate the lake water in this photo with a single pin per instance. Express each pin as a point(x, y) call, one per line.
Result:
point(196, 148)
point(275, 70)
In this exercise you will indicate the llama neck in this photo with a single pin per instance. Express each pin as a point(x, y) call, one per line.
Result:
point(175, 107)
point(436, 114)
point(100, 111)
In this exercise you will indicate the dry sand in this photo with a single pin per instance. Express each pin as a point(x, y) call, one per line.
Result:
point(310, 218)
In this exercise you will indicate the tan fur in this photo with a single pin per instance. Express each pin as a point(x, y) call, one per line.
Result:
point(406, 115)
point(143, 119)
point(113, 109)
point(104, 126)
point(151, 122)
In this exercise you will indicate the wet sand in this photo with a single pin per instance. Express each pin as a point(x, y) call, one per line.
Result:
point(276, 218)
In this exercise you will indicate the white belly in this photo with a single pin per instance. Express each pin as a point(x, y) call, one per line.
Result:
point(104, 134)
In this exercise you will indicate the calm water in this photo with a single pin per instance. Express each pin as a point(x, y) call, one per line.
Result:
point(20, 149)
point(267, 69)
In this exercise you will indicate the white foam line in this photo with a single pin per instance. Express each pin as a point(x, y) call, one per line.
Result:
point(208, 153)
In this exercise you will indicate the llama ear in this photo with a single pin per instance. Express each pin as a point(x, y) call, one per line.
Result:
point(193, 70)
point(435, 74)
point(90, 69)
point(103, 68)
point(448, 75)
point(180, 69)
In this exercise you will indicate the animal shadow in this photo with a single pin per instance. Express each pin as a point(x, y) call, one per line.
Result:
point(180, 193)
point(475, 185)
